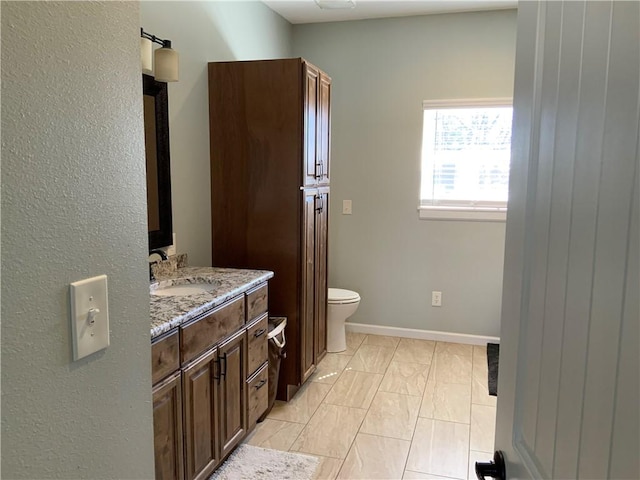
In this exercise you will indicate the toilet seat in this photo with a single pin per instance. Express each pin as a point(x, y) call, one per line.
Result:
point(339, 296)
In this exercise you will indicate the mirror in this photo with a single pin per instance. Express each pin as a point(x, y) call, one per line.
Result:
point(156, 137)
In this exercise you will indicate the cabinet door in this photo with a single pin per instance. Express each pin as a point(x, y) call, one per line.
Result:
point(324, 128)
point(321, 232)
point(167, 429)
point(232, 391)
point(200, 389)
point(310, 108)
point(307, 323)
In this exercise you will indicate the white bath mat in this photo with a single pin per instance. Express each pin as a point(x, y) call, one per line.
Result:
point(255, 463)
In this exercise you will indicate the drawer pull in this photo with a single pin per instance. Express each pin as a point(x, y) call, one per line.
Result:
point(260, 332)
point(223, 373)
point(260, 384)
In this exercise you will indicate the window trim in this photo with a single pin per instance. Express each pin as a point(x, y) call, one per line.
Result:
point(476, 211)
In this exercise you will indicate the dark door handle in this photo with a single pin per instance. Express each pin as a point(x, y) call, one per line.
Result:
point(260, 384)
point(223, 370)
point(260, 332)
point(493, 469)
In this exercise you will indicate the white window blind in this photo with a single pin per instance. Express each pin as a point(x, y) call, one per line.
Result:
point(466, 149)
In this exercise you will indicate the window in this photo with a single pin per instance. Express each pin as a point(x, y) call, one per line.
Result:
point(466, 149)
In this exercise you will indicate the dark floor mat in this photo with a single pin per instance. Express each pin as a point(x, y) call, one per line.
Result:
point(493, 356)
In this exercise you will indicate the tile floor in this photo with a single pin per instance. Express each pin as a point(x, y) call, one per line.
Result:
point(390, 408)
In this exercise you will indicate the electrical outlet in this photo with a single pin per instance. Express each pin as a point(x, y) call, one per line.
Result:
point(436, 299)
point(347, 207)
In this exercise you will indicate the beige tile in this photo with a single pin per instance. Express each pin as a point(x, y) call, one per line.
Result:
point(392, 415)
point(447, 401)
point(451, 369)
point(330, 368)
point(354, 340)
point(354, 389)
point(371, 358)
point(474, 457)
point(479, 383)
point(483, 427)
point(412, 350)
point(328, 468)
point(302, 406)
point(373, 457)
point(440, 448)
point(480, 354)
point(448, 348)
point(330, 431)
point(405, 378)
point(408, 475)
point(381, 341)
point(275, 434)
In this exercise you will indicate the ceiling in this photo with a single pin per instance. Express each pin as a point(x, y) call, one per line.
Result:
point(307, 11)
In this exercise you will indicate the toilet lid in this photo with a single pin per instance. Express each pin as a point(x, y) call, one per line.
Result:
point(339, 295)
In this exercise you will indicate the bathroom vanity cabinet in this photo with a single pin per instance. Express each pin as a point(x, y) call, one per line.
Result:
point(270, 171)
point(210, 385)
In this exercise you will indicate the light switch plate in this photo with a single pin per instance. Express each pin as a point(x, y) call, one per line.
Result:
point(89, 316)
point(346, 207)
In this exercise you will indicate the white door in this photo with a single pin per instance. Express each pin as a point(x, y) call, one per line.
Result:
point(569, 366)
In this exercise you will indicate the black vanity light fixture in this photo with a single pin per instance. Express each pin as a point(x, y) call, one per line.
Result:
point(165, 59)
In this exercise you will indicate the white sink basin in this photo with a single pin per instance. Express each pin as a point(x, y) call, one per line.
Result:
point(183, 289)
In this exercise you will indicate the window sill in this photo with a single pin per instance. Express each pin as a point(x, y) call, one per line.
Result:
point(462, 214)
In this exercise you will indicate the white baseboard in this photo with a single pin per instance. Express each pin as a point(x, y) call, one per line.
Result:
point(421, 334)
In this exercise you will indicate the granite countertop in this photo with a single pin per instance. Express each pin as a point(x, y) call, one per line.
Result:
point(168, 312)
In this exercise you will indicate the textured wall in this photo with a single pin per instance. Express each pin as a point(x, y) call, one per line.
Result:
point(73, 206)
point(205, 32)
point(382, 70)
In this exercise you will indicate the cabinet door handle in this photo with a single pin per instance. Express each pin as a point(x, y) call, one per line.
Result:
point(260, 384)
point(260, 332)
point(223, 370)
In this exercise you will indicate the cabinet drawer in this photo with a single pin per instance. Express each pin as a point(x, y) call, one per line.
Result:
point(164, 356)
point(258, 393)
point(200, 335)
point(257, 334)
point(257, 302)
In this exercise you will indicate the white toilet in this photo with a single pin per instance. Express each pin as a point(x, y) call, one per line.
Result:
point(342, 304)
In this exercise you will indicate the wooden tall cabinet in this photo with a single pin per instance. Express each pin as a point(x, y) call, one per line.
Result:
point(270, 170)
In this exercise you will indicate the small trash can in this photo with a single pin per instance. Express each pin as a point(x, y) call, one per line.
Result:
point(277, 341)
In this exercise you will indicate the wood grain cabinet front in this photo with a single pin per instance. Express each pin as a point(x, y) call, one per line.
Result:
point(200, 386)
point(233, 425)
point(165, 356)
point(167, 428)
point(257, 302)
point(257, 344)
point(257, 395)
point(279, 192)
point(201, 334)
point(202, 397)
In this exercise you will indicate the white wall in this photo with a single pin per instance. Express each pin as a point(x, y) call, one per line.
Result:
point(382, 70)
point(205, 32)
point(73, 206)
